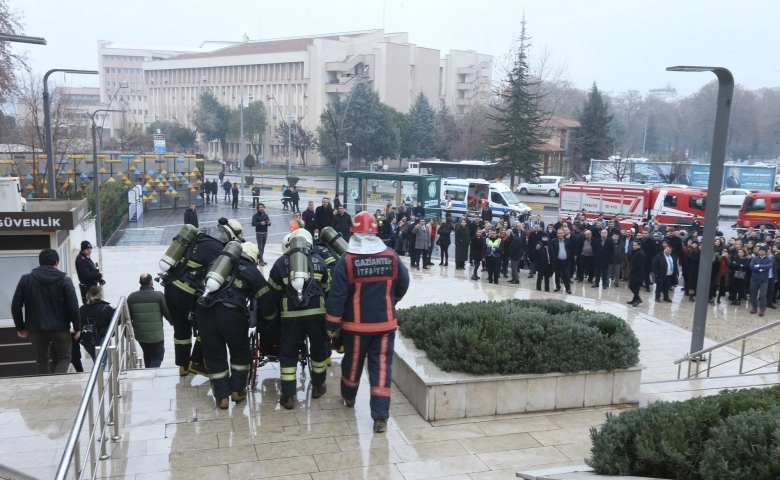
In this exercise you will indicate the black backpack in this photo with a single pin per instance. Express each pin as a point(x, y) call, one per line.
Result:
point(89, 332)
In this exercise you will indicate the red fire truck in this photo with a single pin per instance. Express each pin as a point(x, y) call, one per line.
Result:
point(760, 208)
point(635, 203)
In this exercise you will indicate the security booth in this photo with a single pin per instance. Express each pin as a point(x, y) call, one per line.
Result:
point(372, 191)
point(26, 228)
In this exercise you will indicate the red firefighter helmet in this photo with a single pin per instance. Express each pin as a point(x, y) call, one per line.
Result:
point(364, 222)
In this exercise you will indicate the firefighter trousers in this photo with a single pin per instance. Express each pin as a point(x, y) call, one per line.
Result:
point(292, 334)
point(180, 305)
point(222, 329)
point(379, 349)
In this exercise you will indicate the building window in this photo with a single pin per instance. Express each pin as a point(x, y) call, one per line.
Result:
point(108, 70)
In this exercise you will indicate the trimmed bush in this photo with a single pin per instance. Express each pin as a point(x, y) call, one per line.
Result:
point(292, 180)
point(520, 336)
point(700, 438)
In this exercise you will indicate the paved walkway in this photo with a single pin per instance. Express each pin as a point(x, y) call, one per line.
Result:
point(171, 429)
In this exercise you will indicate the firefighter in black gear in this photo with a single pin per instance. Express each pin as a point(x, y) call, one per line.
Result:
point(301, 310)
point(223, 323)
point(181, 284)
point(330, 256)
point(88, 272)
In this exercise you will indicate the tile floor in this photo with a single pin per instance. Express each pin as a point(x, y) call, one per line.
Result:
point(171, 429)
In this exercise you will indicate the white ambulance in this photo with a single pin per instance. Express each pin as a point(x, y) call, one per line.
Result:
point(465, 195)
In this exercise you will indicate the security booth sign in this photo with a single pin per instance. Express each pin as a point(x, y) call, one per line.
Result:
point(48, 220)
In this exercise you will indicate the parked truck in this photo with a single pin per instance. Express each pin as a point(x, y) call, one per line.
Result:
point(631, 203)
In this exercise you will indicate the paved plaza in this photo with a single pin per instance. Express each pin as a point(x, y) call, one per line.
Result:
point(170, 427)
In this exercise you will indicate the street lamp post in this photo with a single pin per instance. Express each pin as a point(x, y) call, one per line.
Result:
point(644, 141)
point(290, 117)
point(360, 78)
point(96, 185)
point(348, 145)
point(718, 158)
point(50, 174)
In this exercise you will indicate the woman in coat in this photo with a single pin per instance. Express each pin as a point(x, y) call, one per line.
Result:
point(739, 268)
point(462, 241)
point(97, 312)
point(445, 241)
point(694, 256)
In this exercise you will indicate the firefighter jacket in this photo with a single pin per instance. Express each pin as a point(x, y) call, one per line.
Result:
point(281, 300)
point(188, 275)
point(245, 282)
point(364, 291)
point(327, 254)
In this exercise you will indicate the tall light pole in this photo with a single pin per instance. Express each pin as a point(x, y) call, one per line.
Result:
point(290, 117)
point(718, 158)
point(644, 141)
point(50, 174)
point(96, 184)
point(338, 132)
point(348, 145)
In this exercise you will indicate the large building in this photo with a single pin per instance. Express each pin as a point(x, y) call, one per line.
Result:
point(293, 76)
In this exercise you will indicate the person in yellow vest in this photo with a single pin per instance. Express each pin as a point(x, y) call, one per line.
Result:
point(493, 249)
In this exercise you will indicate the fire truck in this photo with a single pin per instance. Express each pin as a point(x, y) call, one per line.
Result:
point(631, 203)
point(760, 208)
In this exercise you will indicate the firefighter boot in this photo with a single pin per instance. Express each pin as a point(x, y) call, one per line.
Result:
point(198, 369)
point(183, 371)
point(350, 402)
point(222, 403)
point(239, 396)
point(318, 390)
point(380, 425)
point(287, 401)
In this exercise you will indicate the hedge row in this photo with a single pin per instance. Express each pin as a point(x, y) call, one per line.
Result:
point(520, 336)
point(734, 435)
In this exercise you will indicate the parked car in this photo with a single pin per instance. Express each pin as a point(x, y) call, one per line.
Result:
point(733, 197)
point(544, 185)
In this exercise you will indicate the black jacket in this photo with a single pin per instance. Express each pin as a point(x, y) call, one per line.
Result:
point(100, 313)
point(419, 210)
point(534, 238)
point(477, 249)
point(341, 224)
point(636, 266)
point(660, 266)
point(555, 247)
point(515, 247)
point(49, 301)
point(649, 248)
point(258, 218)
point(308, 220)
point(227, 185)
point(88, 273)
point(214, 187)
point(323, 217)
point(190, 218)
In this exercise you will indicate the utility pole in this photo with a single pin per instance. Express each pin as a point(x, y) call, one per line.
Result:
point(290, 117)
point(644, 141)
point(348, 145)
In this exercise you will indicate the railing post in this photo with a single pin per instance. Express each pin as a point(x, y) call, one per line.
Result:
point(709, 363)
point(91, 452)
point(679, 370)
point(742, 355)
point(115, 397)
point(101, 412)
point(77, 460)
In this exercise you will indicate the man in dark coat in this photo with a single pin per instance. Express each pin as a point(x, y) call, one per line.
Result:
point(636, 271)
point(649, 249)
point(308, 218)
point(477, 253)
point(295, 197)
point(191, 216)
point(562, 251)
point(227, 186)
point(514, 250)
point(534, 239)
point(323, 215)
point(665, 271)
point(602, 255)
point(214, 191)
point(342, 222)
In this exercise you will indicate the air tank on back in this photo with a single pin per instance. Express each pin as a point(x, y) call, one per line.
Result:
point(222, 268)
point(299, 264)
point(335, 240)
point(178, 247)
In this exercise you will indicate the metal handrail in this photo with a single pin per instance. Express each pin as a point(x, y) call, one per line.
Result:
point(699, 356)
point(118, 350)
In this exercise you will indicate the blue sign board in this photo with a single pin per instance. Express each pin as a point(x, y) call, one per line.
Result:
point(262, 160)
point(734, 176)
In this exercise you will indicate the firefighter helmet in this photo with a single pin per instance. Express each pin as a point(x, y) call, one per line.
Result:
point(364, 222)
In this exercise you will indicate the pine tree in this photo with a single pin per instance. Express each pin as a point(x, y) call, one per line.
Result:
point(517, 119)
point(651, 141)
point(423, 127)
point(593, 138)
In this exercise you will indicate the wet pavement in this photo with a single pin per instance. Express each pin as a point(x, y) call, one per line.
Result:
point(171, 429)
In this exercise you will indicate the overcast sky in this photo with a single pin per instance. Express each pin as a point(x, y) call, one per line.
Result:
point(620, 44)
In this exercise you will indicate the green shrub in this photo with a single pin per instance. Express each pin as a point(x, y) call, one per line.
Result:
point(746, 445)
point(671, 439)
point(249, 180)
point(520, 336)
point(113, 207)
point(292, 180)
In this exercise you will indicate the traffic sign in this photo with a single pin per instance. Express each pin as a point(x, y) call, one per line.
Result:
point(159, 143)
point(262, 160)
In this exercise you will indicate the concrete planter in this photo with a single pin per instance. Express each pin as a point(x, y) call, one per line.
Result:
point(440, 395)
point(580, 472)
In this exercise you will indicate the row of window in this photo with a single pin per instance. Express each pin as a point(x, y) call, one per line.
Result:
point(127, 71)
point(245, 73)
point(123, 59)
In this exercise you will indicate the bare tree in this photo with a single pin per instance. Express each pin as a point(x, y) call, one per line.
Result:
point(10, 63)
point(674, 167)
point(68, 134)
point(617, 168)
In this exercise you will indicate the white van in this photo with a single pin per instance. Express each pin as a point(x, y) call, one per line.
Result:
point(544, 185)
point(465, 196)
